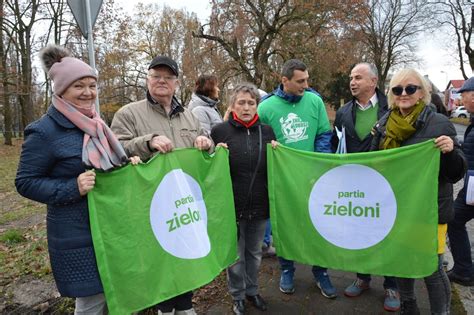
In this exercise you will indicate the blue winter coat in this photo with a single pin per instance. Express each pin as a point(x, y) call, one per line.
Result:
point(50, 163)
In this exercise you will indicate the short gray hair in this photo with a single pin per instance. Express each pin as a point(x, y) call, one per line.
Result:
point(244, 87)
point(372, 68)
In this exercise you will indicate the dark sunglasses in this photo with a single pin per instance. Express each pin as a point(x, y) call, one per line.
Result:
point(409, 89)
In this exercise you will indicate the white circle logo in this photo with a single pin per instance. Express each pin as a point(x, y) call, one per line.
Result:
point(293, 128)
point(178, 216)
point(352, 206)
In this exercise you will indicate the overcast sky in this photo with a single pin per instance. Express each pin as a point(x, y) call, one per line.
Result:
point(437, 62)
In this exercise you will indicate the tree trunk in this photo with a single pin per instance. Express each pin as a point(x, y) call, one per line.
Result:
point(26, 102)
point(7, 115)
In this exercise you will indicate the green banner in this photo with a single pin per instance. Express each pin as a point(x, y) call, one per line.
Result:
point(373, 212)
point(163, 228)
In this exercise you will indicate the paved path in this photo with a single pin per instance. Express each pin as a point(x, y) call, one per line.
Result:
point(307, 298)
point(460, 129)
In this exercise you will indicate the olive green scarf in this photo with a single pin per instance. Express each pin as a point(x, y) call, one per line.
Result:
point(399, 127)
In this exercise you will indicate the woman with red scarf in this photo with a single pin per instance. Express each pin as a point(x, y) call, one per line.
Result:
point(246, 139)
point(59, 153)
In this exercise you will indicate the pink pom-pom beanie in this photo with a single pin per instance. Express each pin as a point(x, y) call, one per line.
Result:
point(68, 70)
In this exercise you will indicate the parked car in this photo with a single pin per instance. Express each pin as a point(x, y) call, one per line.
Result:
point(460, 112)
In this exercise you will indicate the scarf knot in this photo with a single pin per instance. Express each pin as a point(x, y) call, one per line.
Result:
point(399, 128)
point(100, 148)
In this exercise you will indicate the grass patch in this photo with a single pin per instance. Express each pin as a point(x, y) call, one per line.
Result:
point(10, 156)
point(64, 305)
point(13, 207)
point(12, 237)
point(20, 209)
point(26, 257)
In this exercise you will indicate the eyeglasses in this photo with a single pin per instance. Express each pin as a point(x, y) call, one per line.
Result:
point(410, 89)
point(167, 78)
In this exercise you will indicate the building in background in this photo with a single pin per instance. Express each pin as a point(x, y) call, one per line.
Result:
point(451, 97)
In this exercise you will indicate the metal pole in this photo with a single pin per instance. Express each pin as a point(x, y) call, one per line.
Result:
point(90, 46)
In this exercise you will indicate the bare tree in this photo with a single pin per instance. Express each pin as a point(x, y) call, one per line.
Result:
point(21, 24)
point(7, 114)
point(389, 30)
point(455, 14)
point(258, 36)
point(246, 29)
point(60, 23)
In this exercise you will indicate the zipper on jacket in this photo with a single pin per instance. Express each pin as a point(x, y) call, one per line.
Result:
point(172, 130)
point(248, 204)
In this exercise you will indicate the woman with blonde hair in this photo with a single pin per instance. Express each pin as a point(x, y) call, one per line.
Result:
point(410, 120)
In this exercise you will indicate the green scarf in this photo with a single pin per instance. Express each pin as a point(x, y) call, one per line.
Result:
point(399, 127)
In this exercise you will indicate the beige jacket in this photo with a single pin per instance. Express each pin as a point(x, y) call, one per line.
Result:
point(137, 123)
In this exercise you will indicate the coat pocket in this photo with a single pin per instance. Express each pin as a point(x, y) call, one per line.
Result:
point(188, 133)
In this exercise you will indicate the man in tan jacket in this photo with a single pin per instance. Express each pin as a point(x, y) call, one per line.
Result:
point(159, 123)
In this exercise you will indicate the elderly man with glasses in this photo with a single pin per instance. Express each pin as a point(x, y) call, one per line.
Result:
point(159, 123)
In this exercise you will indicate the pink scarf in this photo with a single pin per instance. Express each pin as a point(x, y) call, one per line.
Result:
point(100, 149)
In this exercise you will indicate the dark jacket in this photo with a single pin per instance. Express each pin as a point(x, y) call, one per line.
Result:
point(243, 147)
point(468, 149)
point(430, 125)
point(346, 116)
point(50, 162)
point(438, 103)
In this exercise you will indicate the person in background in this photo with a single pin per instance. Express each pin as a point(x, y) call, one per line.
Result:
point(158, 124)
point(204, 102)
point(357, 117)
point(463, 271)
point(298, 117)
point(411, 121)
point(437, 102)
point(246, 139)
point(55, 168)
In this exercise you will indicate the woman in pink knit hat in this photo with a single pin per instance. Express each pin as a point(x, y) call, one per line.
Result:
point(60, 151)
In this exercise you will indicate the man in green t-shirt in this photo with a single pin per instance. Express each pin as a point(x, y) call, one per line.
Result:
point(298, 117)
point(357, 117)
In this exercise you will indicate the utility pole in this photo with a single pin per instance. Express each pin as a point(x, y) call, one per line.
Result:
point(85, 12)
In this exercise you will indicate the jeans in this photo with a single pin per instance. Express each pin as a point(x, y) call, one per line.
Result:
point(388, 283)
point(459, 239)
point(91, 305)
point(267, 239)
point(439, 289)
point(242, 277)
point(286, 264)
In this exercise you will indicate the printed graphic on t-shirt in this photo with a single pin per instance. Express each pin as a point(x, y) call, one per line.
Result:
point(293, 128)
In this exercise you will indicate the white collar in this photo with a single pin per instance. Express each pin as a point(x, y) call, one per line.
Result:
point(372, 102)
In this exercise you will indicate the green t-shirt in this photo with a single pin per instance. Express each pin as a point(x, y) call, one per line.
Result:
point(295, 124)
point(365, 120)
